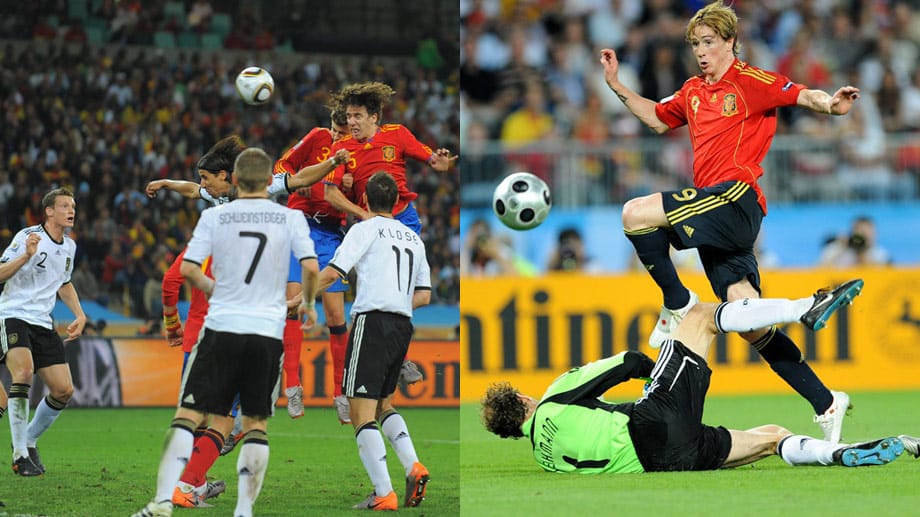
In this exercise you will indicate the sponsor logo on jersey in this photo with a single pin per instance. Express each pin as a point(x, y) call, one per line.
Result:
point(361, 389)
point(189, 399)
point(788, 85)
point(688, 230)
point(389, 153)
point(713, 98)
point(729, 105)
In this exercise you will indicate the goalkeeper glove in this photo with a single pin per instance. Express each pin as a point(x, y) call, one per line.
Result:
point(173, 327)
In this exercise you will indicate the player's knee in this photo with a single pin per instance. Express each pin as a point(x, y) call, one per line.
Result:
point(62, 393)
point(22, 374)
point(632, 212)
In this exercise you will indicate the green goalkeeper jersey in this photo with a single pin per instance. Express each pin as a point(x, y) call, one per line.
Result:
point(574, 430)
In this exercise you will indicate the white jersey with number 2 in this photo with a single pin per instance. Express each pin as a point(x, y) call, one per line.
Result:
point(250, 242)
point(390, 262)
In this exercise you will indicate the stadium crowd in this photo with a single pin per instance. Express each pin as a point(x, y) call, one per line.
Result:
point(106, 120)
point(531, 82)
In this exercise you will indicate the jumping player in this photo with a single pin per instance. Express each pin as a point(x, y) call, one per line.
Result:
point(327, 227)
point(730, 109)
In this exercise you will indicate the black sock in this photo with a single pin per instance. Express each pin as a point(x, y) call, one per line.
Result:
point(787, 361)
point(653, 249)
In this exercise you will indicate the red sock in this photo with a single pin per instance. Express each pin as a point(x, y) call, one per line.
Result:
point(293, 337)
point(337, 345)
point(204, 454)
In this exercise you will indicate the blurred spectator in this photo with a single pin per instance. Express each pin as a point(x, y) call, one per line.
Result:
point(569, 254)
point(199, 15)
point(531, 122)
point(85, 282)
point(858, 248)
point(485, 254)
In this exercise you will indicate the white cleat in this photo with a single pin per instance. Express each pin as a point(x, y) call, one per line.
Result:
point(668, 321)
point(342, 408)
point(295, 401)
point(155, 509)
point(911, 444)
point(831, 421)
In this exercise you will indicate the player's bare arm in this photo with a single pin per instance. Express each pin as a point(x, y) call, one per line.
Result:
point(642, 108)
point(822, 102)
point(187, 189)
point(336, 198)
point(192, 272)
point(8, 269)
point(69, 296)
point(421, 297)
point(313, 173)
point(441, 160)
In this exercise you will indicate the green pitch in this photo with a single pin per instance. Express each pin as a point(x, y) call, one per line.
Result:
point(103, 462)
point(500, 477)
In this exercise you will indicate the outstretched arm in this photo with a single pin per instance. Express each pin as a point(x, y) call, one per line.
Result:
point(822, 102)
point(313, 173)
point(187, 189)
point(642, 108)
point(441, 160)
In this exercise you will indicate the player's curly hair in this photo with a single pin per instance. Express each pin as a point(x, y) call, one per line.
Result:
point(721, 19)
point(503, 411)
point(336, 111)
point(372, 95)
point(222, 155)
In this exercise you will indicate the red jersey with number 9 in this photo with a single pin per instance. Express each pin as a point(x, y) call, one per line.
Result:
point(314, 148)
point(385, 151)
point(731, 122)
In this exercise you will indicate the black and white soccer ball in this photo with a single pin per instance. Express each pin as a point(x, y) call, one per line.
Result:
point(255, 85)
point(522, 201)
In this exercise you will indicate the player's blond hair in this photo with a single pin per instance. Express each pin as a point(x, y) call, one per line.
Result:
point(51, 197)
point(372, 95)
point(721, 19)
point(253, 168)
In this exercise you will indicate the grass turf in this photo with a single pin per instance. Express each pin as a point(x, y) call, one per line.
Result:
point(104, 462)
point(500, 477)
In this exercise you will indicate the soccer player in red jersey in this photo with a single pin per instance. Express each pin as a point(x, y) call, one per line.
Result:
point(373, 147)
point(327, 228)
point(730, 110)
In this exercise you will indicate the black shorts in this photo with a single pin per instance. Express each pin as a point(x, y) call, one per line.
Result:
point(666, 425)
point(223, 364)
point(722, 223)
point(377, 345)
point(46, 345)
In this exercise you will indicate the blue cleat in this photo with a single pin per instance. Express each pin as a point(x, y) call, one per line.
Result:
point(878, 452)
point(827, 301)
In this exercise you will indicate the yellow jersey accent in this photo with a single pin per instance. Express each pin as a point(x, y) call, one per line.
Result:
point(707, 203)
point(688, 230)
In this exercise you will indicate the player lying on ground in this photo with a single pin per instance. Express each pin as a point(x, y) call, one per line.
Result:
point(574, 430)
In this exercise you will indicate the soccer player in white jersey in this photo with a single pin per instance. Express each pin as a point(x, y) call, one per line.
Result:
point(393, 279)
point(240, 349)
point(36, 268)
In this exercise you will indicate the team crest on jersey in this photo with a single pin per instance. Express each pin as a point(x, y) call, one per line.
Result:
point(389, 153)
point(729, 105)
point(694, 103)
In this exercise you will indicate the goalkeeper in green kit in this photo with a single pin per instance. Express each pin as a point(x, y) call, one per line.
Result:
point(572, 429)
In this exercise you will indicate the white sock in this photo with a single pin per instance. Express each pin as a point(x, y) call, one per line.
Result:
point(756, 313)
point(373, 454)
point(176, 452)
point(394, 427)
point(19, 419)
point(804, 450)
point(250, 466)
point(45, 415)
